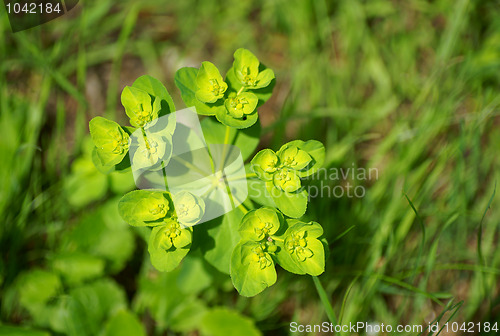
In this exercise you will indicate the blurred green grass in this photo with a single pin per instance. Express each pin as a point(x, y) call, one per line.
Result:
point(410, 88)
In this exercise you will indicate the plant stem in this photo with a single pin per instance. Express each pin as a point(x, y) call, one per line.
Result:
point(243, 208)
point(164, 174)
point(240, 90)
point(250, 175)
point(224, 149)
point(324, 300)
point(277, 239)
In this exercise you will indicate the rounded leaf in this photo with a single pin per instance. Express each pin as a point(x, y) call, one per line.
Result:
point(166, 259)
point(211, 86)
point(185, 80)
point(227, 119)
point(293, 157)
point(258, 224)
point(156, 89)
point(145, 207)
point(111, 141)
point(138, 106)
point(315, 150)
point(246, 70)
point(290, 204)
point(302, 251)
point(286, 180)
point(252, 268)
point(264, 164)
point(240, 105)
point(189, 208)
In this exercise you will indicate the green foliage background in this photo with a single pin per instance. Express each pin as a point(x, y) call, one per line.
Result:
point(408, 87)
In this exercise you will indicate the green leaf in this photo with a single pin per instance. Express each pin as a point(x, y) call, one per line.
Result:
point(211, 86)
point(257, 190)
point(85, 184)
point(36, 288)
point(247, 70)
point(264, 78)
point(293, 157)
point(258, 224)
point(316, 151)
point(246, 139)
point(102, 233)
point(124, 323)
point(166, 260)
point(145, 207)
point(262, 94)
point(218, 237)
point(189, 208)
point(121, 181)
point(241, 105)
point(193, 274)
point(110, 139)
point(159, 295)
point(264, 164)
point(138, 106)
point(290, 204)
point(150, 150)
point(223, 322)
point(302, 252)
point(88, 306)
point(284, 259)
point(187, 316)
point(246, 66)
point(314, 230)
point(155, 88)
point(185, 80)
point(21, 331)
point(252, 268)
point(123, 166)
point(227, 119)
point(286, 180)
point(78, 267)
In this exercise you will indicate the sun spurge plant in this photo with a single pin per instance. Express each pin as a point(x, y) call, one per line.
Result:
point(255, 233)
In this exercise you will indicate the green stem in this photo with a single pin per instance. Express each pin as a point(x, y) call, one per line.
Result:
point(277, 239)
point(239, 178)
point(240, 90)
point(224, 149)
point(164, 174)
point(243, 208)
point(324, 300)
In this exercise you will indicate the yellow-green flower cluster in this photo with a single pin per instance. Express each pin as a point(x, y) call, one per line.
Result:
point(281, 168)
